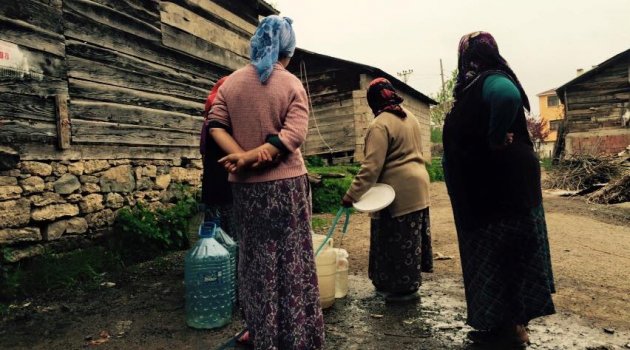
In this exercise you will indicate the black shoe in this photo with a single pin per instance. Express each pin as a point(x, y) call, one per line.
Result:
point(402, 298)
point(500, 338)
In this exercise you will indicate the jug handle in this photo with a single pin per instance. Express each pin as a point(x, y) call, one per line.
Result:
point(334, 225)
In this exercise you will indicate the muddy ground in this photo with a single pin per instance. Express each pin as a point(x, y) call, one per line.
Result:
point(144, 309)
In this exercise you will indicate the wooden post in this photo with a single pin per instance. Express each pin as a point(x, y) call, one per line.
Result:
point(64, 129)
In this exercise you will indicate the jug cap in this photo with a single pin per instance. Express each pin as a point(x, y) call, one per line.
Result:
point(207, 229)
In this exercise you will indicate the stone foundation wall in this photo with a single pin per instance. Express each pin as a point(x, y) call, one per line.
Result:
point(43, 204)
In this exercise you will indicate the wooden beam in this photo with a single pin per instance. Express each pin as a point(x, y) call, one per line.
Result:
point(188, 21)
point(220, 15)
point(16, 131)
point(195, 46)
point(26, 34)
point(145, 10)
point(92, 132)
point(38, 151)
point(107, 93)
point(28, 108)
point(34, 13)
point(64, 134)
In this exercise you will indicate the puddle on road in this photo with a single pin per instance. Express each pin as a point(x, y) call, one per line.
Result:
point(364, 321)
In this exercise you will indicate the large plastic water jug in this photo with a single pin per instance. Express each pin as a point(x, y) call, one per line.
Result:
point(232, 247)
point(341, 279)
point(326, 265)
point(207, 280)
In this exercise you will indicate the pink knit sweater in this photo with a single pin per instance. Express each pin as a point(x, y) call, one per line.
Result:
point(254, 111)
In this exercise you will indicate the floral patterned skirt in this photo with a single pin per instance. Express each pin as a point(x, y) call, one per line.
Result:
point(277, 279)
point(400, 248)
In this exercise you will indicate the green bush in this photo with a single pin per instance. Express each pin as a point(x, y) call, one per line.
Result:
point(435, 170)
point(436, 135)
point(314, 161)
point(140, 233)
point(327, 196)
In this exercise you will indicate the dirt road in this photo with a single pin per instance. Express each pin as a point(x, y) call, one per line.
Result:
point(144, 310)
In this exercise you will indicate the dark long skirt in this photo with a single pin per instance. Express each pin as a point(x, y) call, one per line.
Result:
point(400, 248)
point(507, 271)
point(277, 279)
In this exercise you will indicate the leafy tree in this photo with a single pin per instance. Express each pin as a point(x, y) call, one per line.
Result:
point(445, 100)
point(538, 128)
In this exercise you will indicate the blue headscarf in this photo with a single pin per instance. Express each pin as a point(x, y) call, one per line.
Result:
point(274, 37)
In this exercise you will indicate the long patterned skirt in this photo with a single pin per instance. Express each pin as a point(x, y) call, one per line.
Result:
point(400, 248)
point(507, 271)
point(277, 279)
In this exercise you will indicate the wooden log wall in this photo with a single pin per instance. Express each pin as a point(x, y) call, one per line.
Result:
point(600, 101)
point(133, 73)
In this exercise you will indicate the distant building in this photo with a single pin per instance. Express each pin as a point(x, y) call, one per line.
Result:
point(597, 109)
point(552, 112)
point(337, 90)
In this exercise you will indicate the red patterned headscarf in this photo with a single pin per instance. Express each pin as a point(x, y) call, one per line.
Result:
point(478, 53)
point(382, 97)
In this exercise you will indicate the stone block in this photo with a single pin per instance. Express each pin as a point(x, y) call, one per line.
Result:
point(118, 179)
point(163, 170)
point(15, 213)
point(33, 184)
point(189, 176)
point(54, 212)
point(74, 198)
point(99, 219)
point(15, 235)
point(89, 179)
point(36, 168)
point(46, 198)
point(76, 226)
point(76, 169)
point(162, 182)
point(67, 184)
point(114, 200)
point(94, 166)
point(10, 192)
point(8, 181)
point(91, 203)
point(90, 188)
point(150, 171)
point(117, 162)
point(59, 169)
point(55, 230)
point(16, 255)
point(11, 173)
point(144, 184)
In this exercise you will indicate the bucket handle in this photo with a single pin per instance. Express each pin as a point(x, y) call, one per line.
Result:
point(341, 211)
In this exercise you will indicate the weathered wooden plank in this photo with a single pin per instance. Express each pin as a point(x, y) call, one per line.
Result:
point(17, 106)
point(34, 85)
point(113, 18)
point(132, 115)
point(219, 15)
point(102, 73)
point(37, 151)
point(107, 93)
point(63, 122)
point(34, 62)
point(25, 34)
point(145, 10)
point(184, 42)
point(34, 13)
point(130, 63)
point(91, 132)
point(247, 9)
point(53, 3)
point(188, 21)
point(20, 130)
point(82, 29)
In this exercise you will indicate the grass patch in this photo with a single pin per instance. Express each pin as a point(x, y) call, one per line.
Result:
point(318, 223)
point(81, 268)
point(327, 195)
point(546, 164)
point(436, 135)
point(435, 170)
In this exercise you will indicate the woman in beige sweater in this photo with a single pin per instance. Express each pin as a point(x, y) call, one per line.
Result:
point(400, 244)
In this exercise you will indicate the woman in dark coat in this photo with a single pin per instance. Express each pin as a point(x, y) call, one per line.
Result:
point(493, 179)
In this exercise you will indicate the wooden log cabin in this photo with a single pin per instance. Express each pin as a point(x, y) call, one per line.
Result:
point(340, 113)
point(597, 109)
point(100, 104)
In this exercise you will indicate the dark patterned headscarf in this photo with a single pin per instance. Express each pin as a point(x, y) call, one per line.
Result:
point(382, 97)
point(478, 53)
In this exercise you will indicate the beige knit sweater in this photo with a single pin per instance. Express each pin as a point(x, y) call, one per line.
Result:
point(393, 155)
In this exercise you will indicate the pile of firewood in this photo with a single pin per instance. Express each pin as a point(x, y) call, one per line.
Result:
point(584, 172)
point(615, 192)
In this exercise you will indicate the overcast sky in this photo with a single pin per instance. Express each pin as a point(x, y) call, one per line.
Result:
point(544, 41)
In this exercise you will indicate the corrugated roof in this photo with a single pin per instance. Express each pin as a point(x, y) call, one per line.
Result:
point(377, 73)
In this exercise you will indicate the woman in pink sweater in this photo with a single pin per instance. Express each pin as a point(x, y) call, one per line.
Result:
point(260, 119)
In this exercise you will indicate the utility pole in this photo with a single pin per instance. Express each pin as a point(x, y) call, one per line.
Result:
point(442, 74)
point(405, 75)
